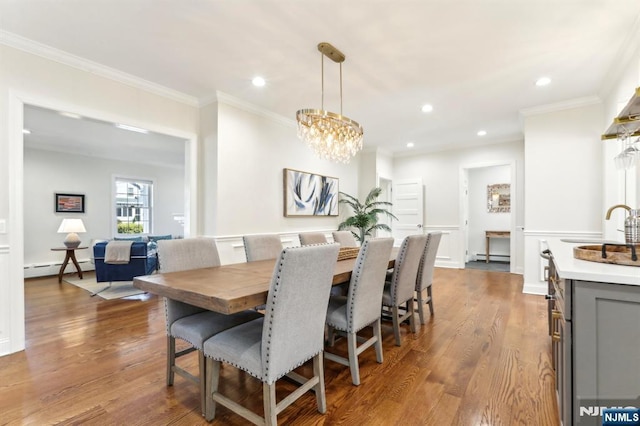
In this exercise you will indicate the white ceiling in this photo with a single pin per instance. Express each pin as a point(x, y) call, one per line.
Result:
point(475, 61)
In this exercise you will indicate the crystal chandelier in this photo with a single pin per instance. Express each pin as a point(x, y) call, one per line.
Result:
point(332, 136)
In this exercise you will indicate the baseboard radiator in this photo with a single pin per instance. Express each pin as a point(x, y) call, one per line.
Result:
point(53, 268)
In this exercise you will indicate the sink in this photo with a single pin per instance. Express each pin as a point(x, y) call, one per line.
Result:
point(618, 254)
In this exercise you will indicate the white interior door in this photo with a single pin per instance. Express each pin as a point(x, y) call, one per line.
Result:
point(408, 207)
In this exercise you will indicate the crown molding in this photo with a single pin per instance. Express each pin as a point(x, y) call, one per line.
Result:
point(247, 106)
point(18, 42)
point(623, 58)
point(560, 106)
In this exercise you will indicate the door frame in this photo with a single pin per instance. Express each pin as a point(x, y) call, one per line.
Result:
point(15, 123)
point(464, 209)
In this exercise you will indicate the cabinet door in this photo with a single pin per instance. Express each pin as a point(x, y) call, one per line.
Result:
point(606, 326)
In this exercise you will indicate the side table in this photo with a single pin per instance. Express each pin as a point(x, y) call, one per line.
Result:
point(70, 255)
point(494, 234)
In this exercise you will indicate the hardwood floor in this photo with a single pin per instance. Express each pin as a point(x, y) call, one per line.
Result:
point(482, 359)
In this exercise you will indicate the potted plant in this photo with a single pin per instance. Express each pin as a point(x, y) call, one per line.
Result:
point(365, 217)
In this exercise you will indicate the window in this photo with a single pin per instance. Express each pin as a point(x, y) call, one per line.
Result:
point(133, 205)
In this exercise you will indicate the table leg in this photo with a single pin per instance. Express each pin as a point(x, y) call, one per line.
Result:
point(486, 246)
point(75, 262)
point(64, 265)
point(70, 255)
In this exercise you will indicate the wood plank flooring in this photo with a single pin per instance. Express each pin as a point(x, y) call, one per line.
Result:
point(482, 359)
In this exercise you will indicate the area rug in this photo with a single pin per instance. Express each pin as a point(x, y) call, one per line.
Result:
point(117, 290)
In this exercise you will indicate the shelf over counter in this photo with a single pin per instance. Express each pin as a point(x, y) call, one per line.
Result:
point(628, 121)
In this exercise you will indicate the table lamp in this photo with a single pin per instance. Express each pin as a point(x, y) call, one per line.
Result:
point(72, 227)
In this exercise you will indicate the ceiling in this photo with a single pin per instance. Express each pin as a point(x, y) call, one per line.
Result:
point(475, 61)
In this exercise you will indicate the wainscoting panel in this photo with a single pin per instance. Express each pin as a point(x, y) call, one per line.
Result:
point(231, 247)
point(448, 251)
point(534, 243)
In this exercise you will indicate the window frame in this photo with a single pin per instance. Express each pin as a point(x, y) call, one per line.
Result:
point(115, 206)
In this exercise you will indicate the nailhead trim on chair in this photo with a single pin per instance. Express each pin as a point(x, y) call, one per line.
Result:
point(401, 256)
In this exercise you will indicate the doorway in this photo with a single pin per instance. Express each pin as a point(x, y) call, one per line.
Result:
point(16, 104)
point(480, 217)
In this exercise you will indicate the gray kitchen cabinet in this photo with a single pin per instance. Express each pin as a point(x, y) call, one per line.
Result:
point(606, 347)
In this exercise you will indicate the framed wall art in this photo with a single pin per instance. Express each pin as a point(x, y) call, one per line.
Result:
point(499, 198)
point(309, 194)
point(69, 203)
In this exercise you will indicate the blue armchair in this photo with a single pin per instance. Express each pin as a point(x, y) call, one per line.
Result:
point(143, 261)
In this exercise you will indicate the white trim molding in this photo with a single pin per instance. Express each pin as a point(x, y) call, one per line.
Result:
point(51, 53)
point(249, 107)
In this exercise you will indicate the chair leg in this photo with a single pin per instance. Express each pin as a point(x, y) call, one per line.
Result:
point(318, 371)
point(331, 336)
point(420, 306)
point(377, 332)
point(352, 344)
point(171, 359)
point(396, 325)
point(212, 379)
point(269, 401)
point(202, 366)
point(430, 299)
point(412, 317)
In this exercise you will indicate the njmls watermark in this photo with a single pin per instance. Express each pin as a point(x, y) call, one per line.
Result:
point(608, 412)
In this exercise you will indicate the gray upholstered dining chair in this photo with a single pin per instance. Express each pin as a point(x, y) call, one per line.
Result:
point(399, 290)
point(290, 333)
point(262, 247)
point(190, 323)
point(361, 307)
point(344, 238)
point(425, 273)
point(308, 238)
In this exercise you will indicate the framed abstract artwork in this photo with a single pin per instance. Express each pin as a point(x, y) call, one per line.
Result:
point(69, 203)
point(309, 194)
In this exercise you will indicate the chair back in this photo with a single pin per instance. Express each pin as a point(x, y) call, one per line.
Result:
point(262, 247)
point(296, 308)
point(344, 238)
point(182, 255)
point(405, 271)
point(312, 238)
point(367, 283)
point(425, 271)
point(187, 253)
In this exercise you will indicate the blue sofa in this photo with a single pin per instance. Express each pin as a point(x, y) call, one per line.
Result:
point(144, 261)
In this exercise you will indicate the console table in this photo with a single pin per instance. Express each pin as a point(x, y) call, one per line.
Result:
point(70, 255)
point(494, 234)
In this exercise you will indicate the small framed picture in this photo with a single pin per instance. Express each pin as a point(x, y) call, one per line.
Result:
point(69, 203)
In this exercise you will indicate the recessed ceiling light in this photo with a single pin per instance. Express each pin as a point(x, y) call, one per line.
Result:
point(482, 132)
point(543, 81)
point(410, 145)
point(26, 131)
point(70, 115)
point(131, 128)
point(258, 81)
point(427, 108)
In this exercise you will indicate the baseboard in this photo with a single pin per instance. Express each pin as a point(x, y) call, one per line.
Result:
point(535, 288)
point(48, 269)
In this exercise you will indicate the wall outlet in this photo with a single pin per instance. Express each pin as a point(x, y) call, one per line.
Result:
point(3, 226)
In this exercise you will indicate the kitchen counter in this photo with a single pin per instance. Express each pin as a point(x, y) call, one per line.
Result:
point(569, 267)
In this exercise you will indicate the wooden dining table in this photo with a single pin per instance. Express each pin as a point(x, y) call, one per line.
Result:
point(229, 288)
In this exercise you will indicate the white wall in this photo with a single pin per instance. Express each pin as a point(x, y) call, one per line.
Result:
point(253, 149)
point(440, 173)
point(480, 220)
point(563, 181)
point(46, 173)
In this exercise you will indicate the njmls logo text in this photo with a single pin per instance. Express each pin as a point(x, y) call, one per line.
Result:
point(599, 411)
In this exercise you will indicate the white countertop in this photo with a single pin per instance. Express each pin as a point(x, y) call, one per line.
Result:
point(571, 268)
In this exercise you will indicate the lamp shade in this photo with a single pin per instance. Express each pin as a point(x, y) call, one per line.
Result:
point(72, 227)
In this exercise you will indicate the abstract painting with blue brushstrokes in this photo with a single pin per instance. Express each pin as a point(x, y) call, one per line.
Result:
point(309, 194)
